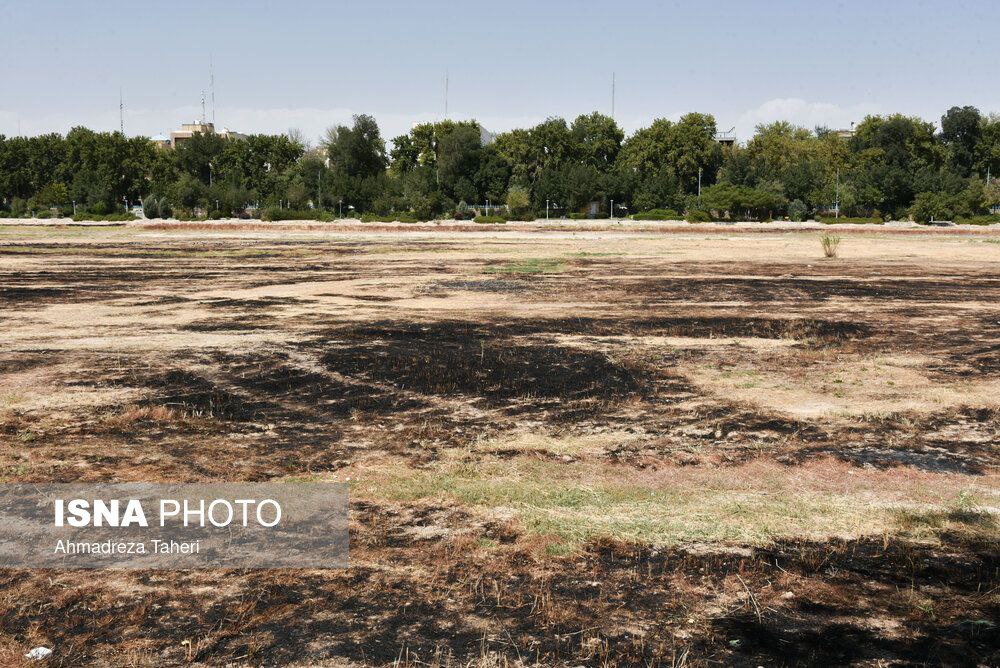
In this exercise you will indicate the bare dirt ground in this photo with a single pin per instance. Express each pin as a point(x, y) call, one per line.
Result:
point(593, 445)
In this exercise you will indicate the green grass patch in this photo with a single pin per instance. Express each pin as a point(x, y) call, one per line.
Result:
point(575, 503)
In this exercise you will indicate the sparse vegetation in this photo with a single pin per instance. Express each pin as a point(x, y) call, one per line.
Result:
point(830, 244)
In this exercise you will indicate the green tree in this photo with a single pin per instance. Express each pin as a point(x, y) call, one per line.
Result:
point(596, 140)
point(357, 151)
point(961, 132)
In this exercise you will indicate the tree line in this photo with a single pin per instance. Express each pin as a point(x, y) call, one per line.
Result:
point(892, 166)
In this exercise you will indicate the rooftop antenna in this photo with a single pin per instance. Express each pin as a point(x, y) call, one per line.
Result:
point(446, 93)
point(121, 111)
point(211, 74)
point(612, 95)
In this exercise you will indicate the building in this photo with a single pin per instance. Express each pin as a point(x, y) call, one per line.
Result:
point(160, 141)
point(845, 133)
point(189, 130)
point(727, 138)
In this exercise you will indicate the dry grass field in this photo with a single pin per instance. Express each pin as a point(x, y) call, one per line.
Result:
point(590, 445)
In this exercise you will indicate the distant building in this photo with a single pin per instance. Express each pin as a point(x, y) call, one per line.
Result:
point(189, 130)
point(160, 141)
point(727, 138)
point(845, 133)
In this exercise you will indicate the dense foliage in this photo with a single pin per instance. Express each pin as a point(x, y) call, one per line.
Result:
point(892, 167)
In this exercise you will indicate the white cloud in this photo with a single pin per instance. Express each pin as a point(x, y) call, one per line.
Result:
point(803, 113)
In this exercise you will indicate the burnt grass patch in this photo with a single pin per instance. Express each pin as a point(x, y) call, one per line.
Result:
point(690, 326)
point(801, 289)
point(199, 397)
point(229, 324)
point(836, 602)
point(276, 377)
point(450, 359)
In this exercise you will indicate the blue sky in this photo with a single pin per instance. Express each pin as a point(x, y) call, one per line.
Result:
point(308, 65)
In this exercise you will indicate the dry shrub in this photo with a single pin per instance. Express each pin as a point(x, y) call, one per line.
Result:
point(133, 414)
point(830, 243)
point(12, 422)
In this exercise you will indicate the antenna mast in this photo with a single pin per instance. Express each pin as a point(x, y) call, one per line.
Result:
point(203, 107)
point(612, 95)
point(211, 74)
point(446, 93)
point(121, 111)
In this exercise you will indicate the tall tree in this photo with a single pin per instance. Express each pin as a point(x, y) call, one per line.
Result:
point(961, 131)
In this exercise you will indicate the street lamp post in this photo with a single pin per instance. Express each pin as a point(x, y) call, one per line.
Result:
point(340, 207)
point(837, 191)
point(699, 187)
point(546, 209)
point(612, 209)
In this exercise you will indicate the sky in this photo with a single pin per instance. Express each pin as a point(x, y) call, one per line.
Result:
point(309, 65)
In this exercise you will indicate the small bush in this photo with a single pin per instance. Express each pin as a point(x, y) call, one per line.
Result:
point(697, 216)
point(797, 211)
point(577, 216)
point(272, 214)
point(107, 218)
point(405, 217)
point(491, 220)
point(979, 220)
point(156, 207)
point(851, 220)
point(656, 214)
point(830, 243)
